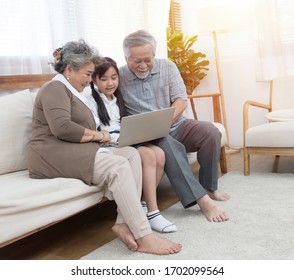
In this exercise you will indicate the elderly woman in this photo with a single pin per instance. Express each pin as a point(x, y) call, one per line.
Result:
point(65, 143)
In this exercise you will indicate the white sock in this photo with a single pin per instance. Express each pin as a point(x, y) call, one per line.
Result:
point(159, 223)
point(144, 205)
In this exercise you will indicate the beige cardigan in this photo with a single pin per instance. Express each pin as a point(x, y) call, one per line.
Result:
point(59, 121)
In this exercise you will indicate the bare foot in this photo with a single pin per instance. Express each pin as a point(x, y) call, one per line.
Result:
point(216, 195)
point(124, 233)
point(153, 244)
point(212, 212)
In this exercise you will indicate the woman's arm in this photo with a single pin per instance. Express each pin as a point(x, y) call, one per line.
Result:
point(102, 136)
point(57, 105)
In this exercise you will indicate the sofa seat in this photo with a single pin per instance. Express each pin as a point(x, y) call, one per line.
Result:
point(273, 134)
point(28, 204)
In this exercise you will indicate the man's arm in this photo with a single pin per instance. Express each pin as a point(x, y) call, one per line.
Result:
point(180, 106)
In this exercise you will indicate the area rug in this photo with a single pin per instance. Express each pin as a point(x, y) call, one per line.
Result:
point(261, 224)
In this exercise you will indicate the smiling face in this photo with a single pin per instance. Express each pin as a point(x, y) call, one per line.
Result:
point(81, 78)
point(108, 82)
point(141, 60)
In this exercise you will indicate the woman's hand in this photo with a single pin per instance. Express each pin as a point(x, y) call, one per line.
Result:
point(104, 136)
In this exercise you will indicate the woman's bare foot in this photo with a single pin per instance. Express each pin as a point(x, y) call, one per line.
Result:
point(216, 195)
point(212, 212)
point(153, 244)
point(124, 233)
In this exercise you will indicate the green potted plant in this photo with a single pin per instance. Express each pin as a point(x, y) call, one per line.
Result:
point(191, 64)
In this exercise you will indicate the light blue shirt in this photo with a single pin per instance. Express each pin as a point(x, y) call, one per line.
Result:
point(163, 86)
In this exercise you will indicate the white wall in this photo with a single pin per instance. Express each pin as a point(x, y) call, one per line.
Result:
point(237, 62)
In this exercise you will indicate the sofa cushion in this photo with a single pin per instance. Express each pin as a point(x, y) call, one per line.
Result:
point(15, 128)
point(273, 134)
point(28, 204)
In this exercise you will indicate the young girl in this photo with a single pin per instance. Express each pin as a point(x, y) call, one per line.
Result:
point(111, 109)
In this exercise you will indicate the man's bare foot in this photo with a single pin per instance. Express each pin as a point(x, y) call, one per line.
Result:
point(216, 195)
point(212, 212)
point(124, 233)
point(153, 244)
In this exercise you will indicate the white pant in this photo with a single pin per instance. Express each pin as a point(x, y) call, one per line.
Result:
point(121, 172)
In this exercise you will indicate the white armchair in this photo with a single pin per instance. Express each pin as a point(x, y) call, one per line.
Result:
point(276, 137)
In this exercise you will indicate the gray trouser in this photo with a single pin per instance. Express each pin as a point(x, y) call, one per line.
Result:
point(192, 136)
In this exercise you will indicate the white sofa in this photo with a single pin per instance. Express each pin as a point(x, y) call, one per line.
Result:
point(28, 205)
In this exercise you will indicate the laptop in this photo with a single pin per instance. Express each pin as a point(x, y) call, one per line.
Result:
point(144, 127)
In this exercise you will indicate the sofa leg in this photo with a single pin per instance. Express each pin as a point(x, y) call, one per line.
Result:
point(223, 161)
point(276, 164)
point(246, 162)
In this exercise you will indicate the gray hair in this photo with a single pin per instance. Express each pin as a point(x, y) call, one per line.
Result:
point(76, 54)
point(138, 38)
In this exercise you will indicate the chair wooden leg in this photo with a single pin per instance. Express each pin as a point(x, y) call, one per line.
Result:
point(223, 160)
point(246, 162)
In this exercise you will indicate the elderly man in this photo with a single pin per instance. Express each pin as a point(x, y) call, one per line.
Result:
point(148, 83)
